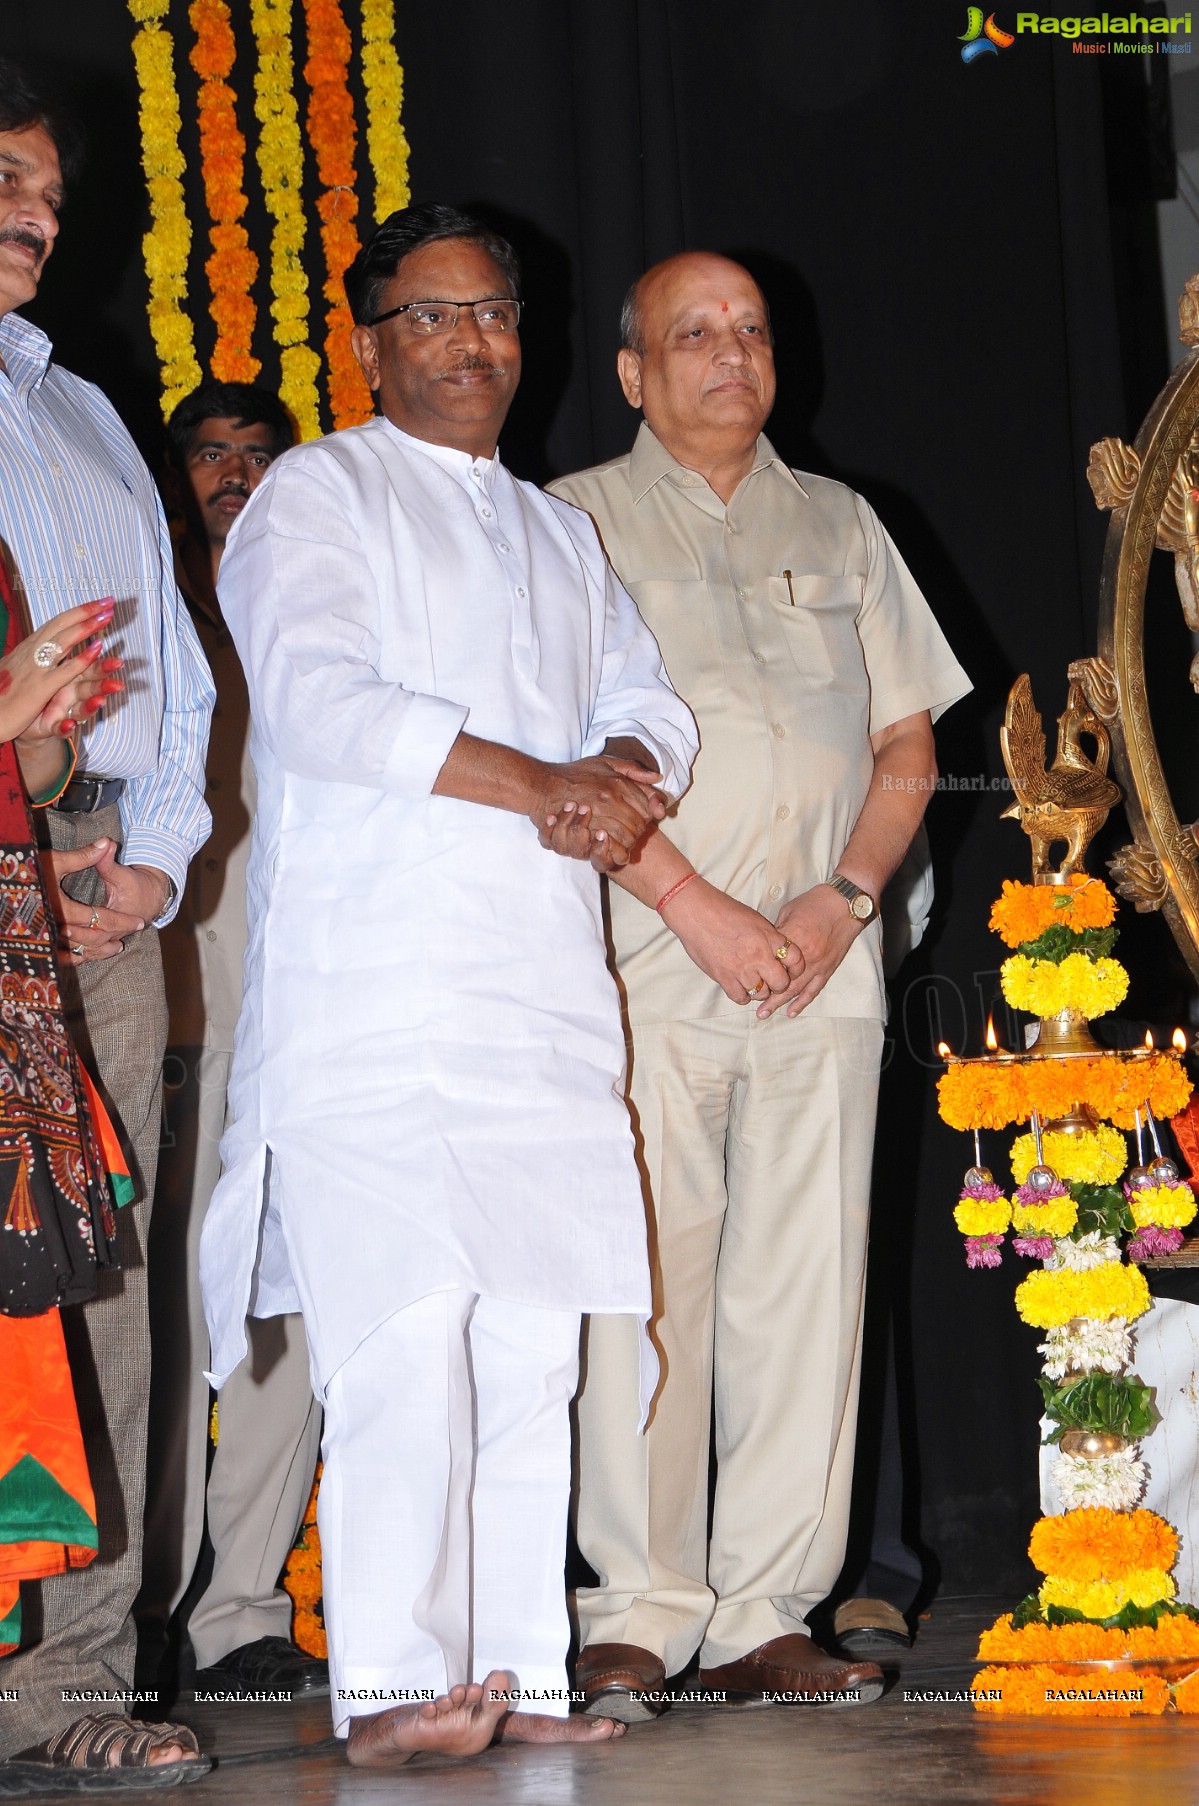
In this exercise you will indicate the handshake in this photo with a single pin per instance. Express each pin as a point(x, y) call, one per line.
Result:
point(598, 809)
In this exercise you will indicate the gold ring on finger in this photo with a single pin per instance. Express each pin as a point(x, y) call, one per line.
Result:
point(94, 918)
point(755, 991)
point(780, 953)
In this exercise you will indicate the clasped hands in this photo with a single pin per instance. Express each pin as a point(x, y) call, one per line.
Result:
point(598, 809)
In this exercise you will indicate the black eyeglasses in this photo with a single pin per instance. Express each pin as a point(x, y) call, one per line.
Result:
point(494, 313)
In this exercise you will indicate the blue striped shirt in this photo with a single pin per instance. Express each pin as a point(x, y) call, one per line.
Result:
point(81, 519)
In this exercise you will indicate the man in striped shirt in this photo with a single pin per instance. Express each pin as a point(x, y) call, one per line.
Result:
point(80, 518)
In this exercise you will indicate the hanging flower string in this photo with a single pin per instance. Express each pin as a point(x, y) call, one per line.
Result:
point(232, 267)
point(383, 80)
point(333, 135)
point(281, 162)
point(167, 244)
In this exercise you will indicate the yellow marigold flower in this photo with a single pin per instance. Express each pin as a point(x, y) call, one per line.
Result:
point(982, 1216)
point(1049, 1299)
point(1173, 1638)
point(1104, 1598)
point(1173, 1206)
point(383, 82)
point(1096, 1157)
point(1045, 988)
point(1056, 1217)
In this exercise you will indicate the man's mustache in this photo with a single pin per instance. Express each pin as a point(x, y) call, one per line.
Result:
point(474, 362)
point(21, 235)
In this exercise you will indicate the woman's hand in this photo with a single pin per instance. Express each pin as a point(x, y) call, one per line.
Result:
point(47, 687)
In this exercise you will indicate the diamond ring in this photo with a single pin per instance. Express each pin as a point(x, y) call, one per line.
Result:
point(47, 654)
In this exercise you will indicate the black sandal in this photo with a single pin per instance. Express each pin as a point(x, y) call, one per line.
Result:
point(77, 1759)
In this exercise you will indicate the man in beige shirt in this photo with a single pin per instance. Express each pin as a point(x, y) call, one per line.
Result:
point(747, 941)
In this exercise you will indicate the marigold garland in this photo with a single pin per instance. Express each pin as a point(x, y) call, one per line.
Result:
point(980, 1095)
point(1043, 1691)
point(1174, 1638)
point(167, 244)
point(1104, 1598)
point(1024, 911)
point(1089, 986)
point(281, 161)
point(333, 136)
point(302, 1579)
point(1096, 1157)
point(1057, 1217)
point(232, 267)
point(1169, 1206)
point(982, 1216)
point(383, 80)
point(1095, 1544)
point(1047, 1299)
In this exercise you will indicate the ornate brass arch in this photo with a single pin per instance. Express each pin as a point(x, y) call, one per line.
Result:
point(1148, 486)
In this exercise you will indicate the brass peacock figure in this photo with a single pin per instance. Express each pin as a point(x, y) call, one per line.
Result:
point(1068, 802)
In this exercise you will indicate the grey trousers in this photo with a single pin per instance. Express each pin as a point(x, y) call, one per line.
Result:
point(270, 1423)
point(78, 1629)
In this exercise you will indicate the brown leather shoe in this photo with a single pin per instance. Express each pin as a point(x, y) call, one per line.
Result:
point(621, 1681)
point(793, 1671)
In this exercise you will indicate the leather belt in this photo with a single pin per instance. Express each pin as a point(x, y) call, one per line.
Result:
point(83, 796)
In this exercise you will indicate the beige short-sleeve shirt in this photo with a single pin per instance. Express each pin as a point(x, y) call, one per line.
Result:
point(788, 676)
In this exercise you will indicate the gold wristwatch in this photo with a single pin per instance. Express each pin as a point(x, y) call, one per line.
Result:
point(862, 906)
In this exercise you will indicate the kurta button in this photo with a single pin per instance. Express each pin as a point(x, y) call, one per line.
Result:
point(210, 934)
point(690, 481)
point(759, 658)
point(779, 731)
point(212, 864)
point(522, 593)
point(782, 813)
point(505, 548)
point(776, 890)
point(486, 513)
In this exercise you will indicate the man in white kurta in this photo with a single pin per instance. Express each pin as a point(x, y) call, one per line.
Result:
point(429, 1152)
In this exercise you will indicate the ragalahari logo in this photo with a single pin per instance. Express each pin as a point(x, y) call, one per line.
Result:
point(983, 37)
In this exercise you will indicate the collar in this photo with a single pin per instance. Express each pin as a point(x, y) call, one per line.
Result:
point(459, 464)
point(25, 350)
point(650, 462)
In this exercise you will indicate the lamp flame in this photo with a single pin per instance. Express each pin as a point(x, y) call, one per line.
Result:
point(1149, 1039)
point(944, 1049)
point(1179, 1041)
point(992, 1038)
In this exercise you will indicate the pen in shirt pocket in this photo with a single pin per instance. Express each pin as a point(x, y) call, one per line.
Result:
point(790, 587)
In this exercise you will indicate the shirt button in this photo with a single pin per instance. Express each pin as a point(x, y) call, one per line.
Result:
point(213, 784)
point(778, 730)
point(776, 890)
point(522, 592)
point(212, 865)
point(210, 934)
point(56, 467)
point(690, 481)
point(81, 551)
point(782, 813)
point(759, 658)
point(505, 548)
point(486, 513)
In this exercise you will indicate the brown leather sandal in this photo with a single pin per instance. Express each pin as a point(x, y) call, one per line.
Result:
point(103, 1752)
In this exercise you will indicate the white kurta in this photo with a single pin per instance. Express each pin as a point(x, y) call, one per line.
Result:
point(428, 1078)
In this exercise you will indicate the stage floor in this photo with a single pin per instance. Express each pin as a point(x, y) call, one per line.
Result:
point(892, 1753)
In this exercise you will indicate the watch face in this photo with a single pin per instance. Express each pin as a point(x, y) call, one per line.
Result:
point(862, 907)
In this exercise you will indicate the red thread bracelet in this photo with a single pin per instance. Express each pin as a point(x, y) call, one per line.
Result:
point(674, 890)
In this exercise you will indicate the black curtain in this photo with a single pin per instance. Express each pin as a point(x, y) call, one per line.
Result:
point(962, 268)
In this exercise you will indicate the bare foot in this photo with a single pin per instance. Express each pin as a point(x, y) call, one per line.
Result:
point(536, 1727)
point(461, 1723)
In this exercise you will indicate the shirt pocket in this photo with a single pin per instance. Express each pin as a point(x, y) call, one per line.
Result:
point(818, 618)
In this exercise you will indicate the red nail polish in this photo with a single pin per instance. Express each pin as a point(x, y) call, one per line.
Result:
point(112, 664)
point(67, 728)
point(110, 686)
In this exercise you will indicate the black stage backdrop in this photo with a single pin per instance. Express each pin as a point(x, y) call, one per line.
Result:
point(963, 269)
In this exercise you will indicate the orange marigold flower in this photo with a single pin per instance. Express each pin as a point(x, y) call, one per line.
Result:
point(1043, 1691)
point(1097, 1544)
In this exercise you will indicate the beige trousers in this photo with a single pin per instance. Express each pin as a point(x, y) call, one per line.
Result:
point(756, 1141)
